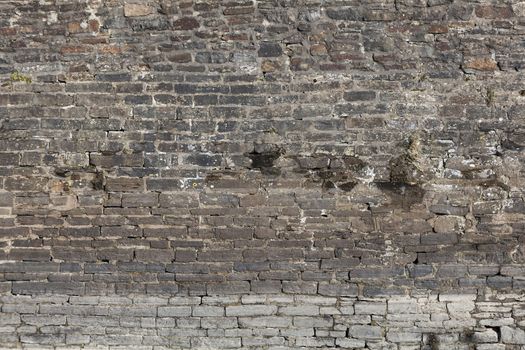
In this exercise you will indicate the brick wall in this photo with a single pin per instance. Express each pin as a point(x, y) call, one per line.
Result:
point(268, 174)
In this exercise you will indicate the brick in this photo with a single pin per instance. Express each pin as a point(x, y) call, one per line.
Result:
point(204, 159)
point(136, 10)
point(269, 49)
point(493, 12)
point(9, 319)
point(30, 254)
point(365, 332)
point(34, 184)
point(302, 321)
point(359, 95)
point(301, 310)
point(155, 255)
point(219, 322)
point(43, 339)
point(499, 282)
point(512, 335)
point(174, 311)
point(220, 343)
point(439, 238)
point(337, 289)
point(185, 23)
point(208, 311)
point(251, 310)
point(77, 339)
point(265, 322)
point(117, 160)
point(219, 255)
point(370, 308)
point(349, 343)
point(301, 287)
point(134, 200)
point(402, 306)
point(486, 336)
point(234, 287)
point(210, 57)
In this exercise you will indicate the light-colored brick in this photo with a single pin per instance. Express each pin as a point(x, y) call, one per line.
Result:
point(365, 332)
point(174, 311)
point(370, 308)
point(208, 311)
point(349, 343)
point(251, 310)
point(301, 310)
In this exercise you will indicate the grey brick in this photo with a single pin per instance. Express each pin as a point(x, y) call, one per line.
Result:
point(485, 336)
point(404, 337)
point(265, 322)
point(218, 343)
point(512, 335)
point(337, 289)
point(133, 311)
point(209, 311)
point(174, 311)
point(43, 339)
point(9, 318)
point(365, 332)
point(251, 310)
point(349, 343)
point(370, 308)
point(300, 321)
point(139, 200)
point(234, 287)
point(219, 322)
point(155, 255)
point(301, 310)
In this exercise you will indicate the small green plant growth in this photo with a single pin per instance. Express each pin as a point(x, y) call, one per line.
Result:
point(414, 146)
point(16, 76)
point(272, 130)
point(407, 167)
point(490, 97)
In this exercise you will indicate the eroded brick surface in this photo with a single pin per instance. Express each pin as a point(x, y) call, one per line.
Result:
point(262, 174)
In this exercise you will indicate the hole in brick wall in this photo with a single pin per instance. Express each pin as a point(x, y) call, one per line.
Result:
point(340, 173)
point(402, 170)
point(497, 330)
point(410, 167)
point(98, 181)
point(264, 160)
point(433, 341)
point(467, 337)
point(353, 163)
point(62, 172)
point(328, 185)
point(511, 145)
point(402, 194)
point(347, 186)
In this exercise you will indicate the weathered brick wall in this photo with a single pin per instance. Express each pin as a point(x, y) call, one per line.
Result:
point(267, 174)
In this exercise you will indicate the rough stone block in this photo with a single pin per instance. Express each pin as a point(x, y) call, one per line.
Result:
point(512, 335)
point(251, 310)
point(174, 311)
point(365, 332)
